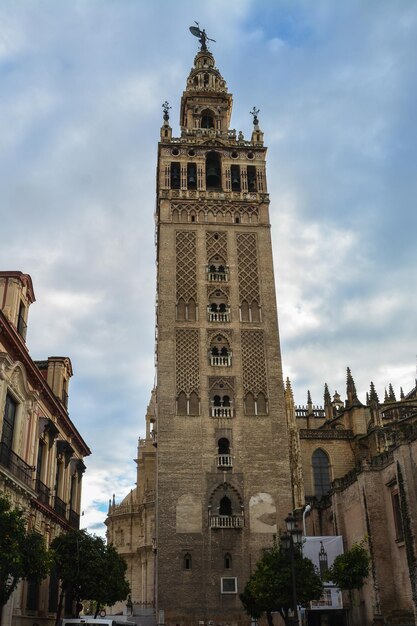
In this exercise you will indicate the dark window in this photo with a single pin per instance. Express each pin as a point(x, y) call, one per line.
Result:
point(53, 591)
point(32, 598)
point(175, 175)
point(39, 463)
point(235, 175)
point(187, 564)
point(213, 171)
point(207, 119)
point(191, 176)
point(225, 506)
point(396, 510)
point(9, 422)
point(224, 446)
point(251, 178)
point(321, 473)
point(21, 324)
point(227, 561)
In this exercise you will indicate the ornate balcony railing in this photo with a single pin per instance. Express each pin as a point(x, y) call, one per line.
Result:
point(60, 507)
point(216, 316)
point(224, 460)
point(221, 361)
point(44, 493)
point(221, 411)
point(217, 276)
point(226, 521)
point(17, 466)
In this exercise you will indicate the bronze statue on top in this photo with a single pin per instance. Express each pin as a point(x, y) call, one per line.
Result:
point(201, 35)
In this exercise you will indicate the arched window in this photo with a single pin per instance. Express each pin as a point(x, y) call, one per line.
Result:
point(187, 561)
point(191, 176)
point(249, 404)
point(224, 446)
point(244, 311)
point(261, 404)
point(175, 175)
point(194, 405)
point(182, 404)
point(191, 310)
point(235, 176)
point(181, 310)
point(255, 313)
point(321, 473)
point(225, 506)
point(207, 117)
point(213, 171)
point(227, 561)
point(217, 401)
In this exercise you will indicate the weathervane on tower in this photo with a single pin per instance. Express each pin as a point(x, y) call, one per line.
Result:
point(201, 35)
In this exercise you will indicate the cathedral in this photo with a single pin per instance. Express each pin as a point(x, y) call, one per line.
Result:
point(227, 454)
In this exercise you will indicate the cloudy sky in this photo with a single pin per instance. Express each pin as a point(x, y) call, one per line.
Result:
point(81, 88)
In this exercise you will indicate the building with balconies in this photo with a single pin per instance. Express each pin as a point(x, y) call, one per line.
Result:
point(41, 451)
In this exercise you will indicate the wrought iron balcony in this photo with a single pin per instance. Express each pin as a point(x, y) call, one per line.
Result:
point(17, 466)
point(224, 460)
point(44, 493)
point(226, 521)
point(60, 507)
point(74, 519)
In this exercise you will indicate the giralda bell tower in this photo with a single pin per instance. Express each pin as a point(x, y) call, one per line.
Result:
point(223, 476)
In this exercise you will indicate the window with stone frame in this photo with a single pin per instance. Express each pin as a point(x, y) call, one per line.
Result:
point(321, 473)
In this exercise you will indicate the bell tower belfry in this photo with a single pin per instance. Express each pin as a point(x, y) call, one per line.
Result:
point(223, 477)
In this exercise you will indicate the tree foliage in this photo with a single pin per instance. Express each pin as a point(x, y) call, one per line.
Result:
point(269, 589)
point(23, 554)
point(89, 569)
point(349, 570)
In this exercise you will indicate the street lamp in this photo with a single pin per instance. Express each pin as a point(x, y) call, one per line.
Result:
point(292, 537)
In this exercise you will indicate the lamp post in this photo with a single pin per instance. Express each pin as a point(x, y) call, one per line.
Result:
point(292, 537)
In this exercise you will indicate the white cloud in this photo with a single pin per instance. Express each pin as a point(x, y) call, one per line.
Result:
point(81, 88)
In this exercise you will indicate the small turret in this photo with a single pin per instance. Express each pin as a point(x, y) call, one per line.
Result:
point(352, 398)
point(391, 393)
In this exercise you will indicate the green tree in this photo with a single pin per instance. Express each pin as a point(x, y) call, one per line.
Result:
point(349, 570)
point(269, 589)
point(23, 554)
point(88, 570)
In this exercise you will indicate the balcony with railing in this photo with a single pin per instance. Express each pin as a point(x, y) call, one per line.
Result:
point(218, 314)
point(44, 493)
point(60, 507)
point(224, 461)
point(221, 360)
point(221, 411)
point(226, 521)
point(217, 274)
point(74, 519)
point(16, 466)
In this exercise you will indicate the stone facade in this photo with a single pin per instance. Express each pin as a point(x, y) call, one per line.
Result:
point(41, 451)
point(357, 464)
point(223, 484)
